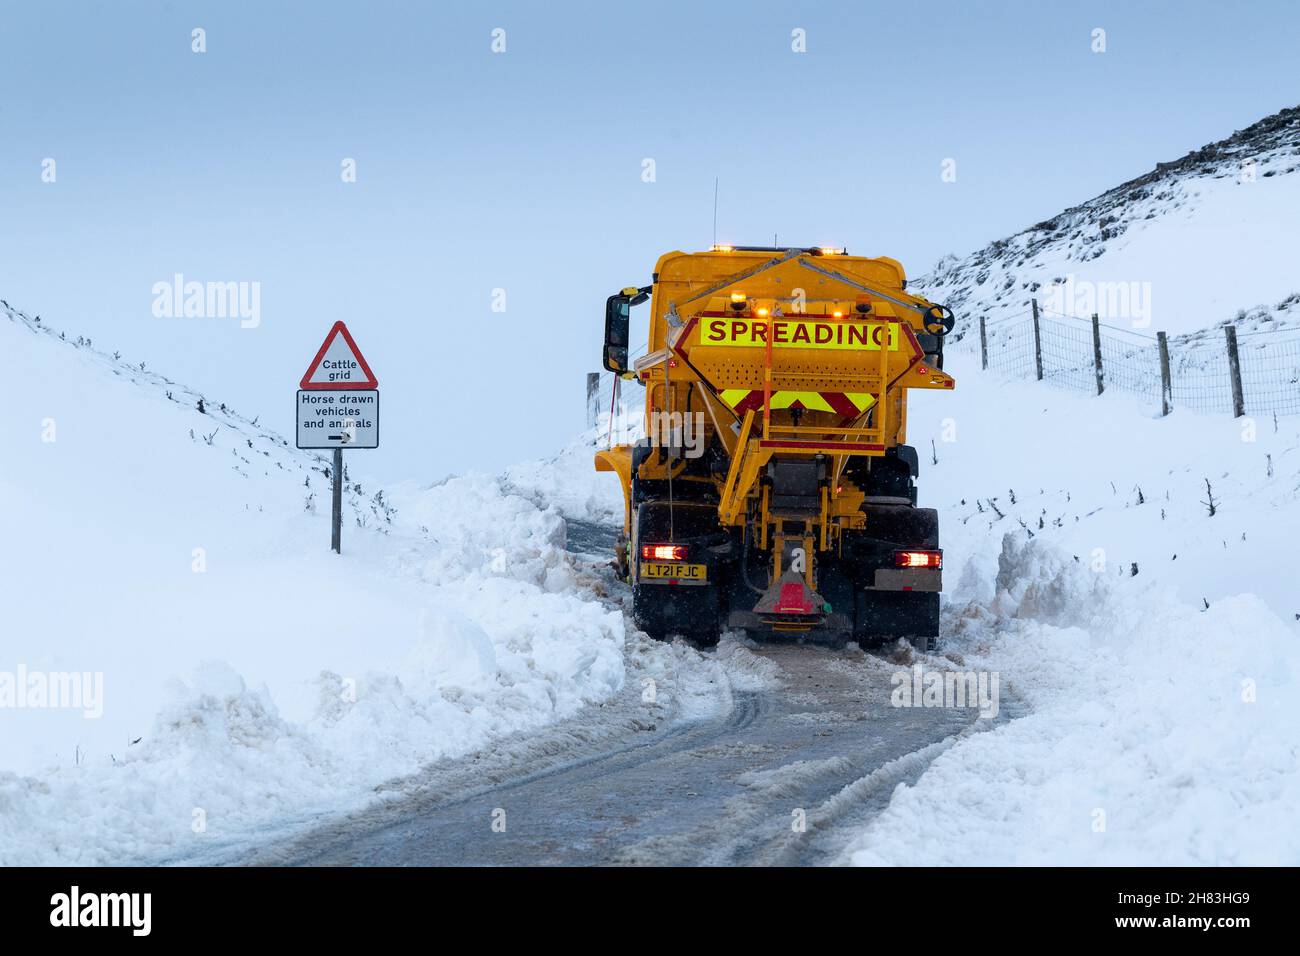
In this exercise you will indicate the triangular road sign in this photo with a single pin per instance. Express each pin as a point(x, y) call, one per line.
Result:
point(339, 364)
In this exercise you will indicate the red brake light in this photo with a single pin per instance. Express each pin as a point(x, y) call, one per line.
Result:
point(663, 552)
point(918, 559)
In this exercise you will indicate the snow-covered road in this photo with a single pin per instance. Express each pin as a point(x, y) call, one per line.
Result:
point(820, 746)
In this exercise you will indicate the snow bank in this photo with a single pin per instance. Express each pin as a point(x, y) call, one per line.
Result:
point(1158, 734)
point(569, 480)
point(1119, 488)
point(251, 678)
point(490, 636)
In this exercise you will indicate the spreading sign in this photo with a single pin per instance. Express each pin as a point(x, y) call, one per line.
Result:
point(798, 333)
point(338, 397)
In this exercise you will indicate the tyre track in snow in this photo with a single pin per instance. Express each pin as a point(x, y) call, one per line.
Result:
point(637, 784)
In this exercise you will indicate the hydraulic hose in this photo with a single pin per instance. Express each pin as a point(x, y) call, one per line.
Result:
point(744, 561)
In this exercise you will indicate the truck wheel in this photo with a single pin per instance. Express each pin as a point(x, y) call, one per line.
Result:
point(662, 611)
point(622, 551)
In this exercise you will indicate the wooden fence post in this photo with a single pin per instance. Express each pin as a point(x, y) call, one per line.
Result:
point(984, 345)
point(1166, 383)
point(593, 398)
point(1038, 342)
point(1096, 353)
point(1234, 367)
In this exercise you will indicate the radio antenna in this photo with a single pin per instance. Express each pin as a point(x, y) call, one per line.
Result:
point(715, 210)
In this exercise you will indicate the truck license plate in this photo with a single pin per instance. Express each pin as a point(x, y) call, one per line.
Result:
point(680, 572)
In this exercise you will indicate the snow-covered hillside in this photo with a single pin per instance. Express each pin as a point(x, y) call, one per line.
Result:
point(1202, 241)
point(250, 676)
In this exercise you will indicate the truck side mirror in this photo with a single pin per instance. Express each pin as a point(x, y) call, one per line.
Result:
point(618, 317)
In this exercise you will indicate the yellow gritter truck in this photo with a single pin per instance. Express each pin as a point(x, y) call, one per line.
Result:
point(774, 491)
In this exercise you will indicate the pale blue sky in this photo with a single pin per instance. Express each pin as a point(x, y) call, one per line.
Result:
point(522, 170)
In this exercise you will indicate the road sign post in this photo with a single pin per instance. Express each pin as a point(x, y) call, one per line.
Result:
point(338, 407)
point(336, 504)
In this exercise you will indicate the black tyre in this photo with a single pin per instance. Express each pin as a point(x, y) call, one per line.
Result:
point(692, 610)
point(884, 616)
point(663, 610)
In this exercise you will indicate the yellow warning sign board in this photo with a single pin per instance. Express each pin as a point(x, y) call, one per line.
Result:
point(798, 333)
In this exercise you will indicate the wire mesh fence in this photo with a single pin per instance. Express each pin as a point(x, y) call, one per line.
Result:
point(1011, 348)
point(1270, 371)
point(1199, 377)
point(1067, 355)
point(1130, 363)
point(1201, 373)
